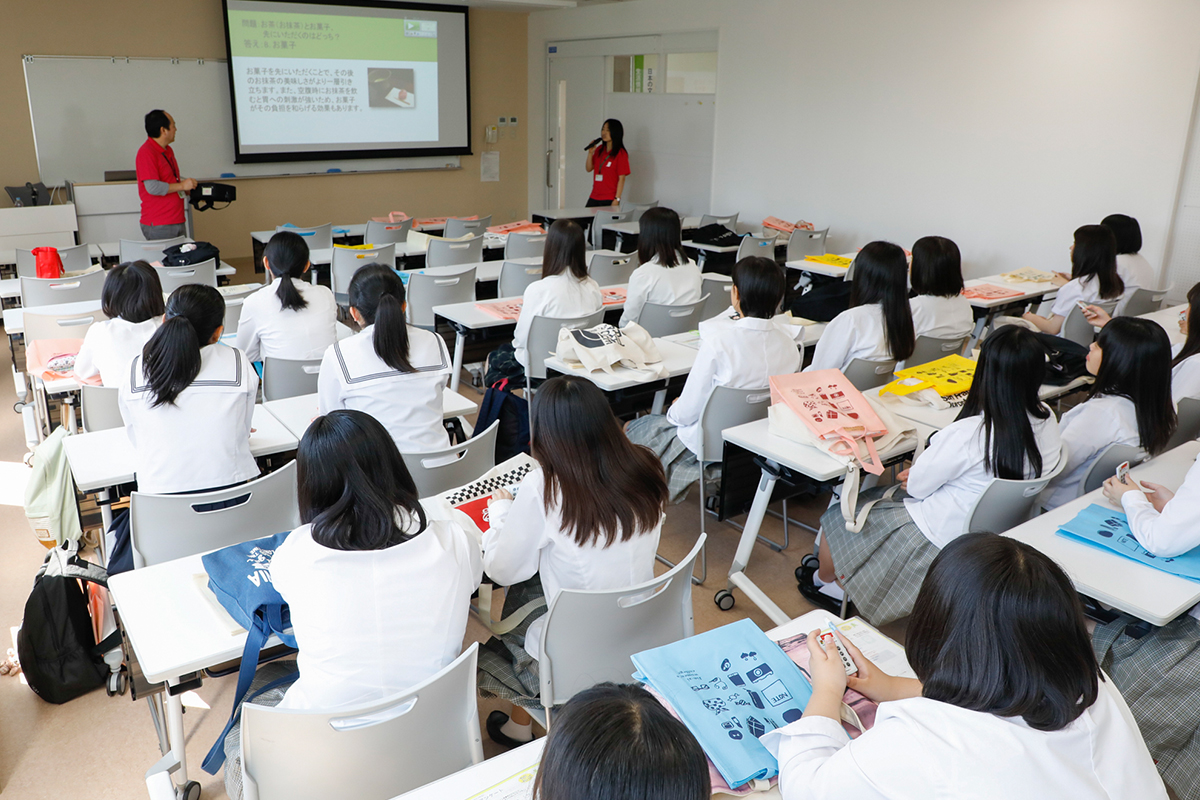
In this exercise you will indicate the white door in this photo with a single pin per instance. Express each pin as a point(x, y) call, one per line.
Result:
point(583, 81)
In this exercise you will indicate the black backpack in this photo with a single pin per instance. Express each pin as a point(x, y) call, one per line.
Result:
point(717, 235)
point(56, 646)
point(188, 253)
point(1065, 360)
point(499, 403)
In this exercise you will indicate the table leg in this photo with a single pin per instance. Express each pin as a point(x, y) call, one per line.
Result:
point(660, 399)
point(460, 347)
point(737, 570)
point(174, 708)
point(980, 325)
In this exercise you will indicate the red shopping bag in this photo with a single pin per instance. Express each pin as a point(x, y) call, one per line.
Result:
point(49, 264)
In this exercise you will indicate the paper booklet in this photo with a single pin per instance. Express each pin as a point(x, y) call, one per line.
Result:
point(1027, 275)
point(1108, 528)
point(988, 291)
point(504, 309)
point(830, 260)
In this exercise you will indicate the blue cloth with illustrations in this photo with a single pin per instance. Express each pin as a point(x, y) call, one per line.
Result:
point(729, 685)
point(1109, 529)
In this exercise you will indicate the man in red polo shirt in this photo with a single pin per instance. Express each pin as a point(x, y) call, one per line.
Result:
point(159, 185)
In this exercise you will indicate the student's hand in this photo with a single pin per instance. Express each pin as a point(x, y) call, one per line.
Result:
point(825, 667)
point(1032, 317)
point(1157, 494)
point(500, 494)
point(1097, 316)
point(1114, 490)
point(1060, 279)
point(254, 430)
point(872, 682)
point(903, 477)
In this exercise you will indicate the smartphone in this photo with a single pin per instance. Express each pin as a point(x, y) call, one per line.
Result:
point(1082, 305)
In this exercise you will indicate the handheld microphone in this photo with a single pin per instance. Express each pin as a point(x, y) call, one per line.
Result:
point(33, 193)
point(595, 142)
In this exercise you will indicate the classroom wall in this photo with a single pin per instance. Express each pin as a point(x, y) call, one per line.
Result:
point(1003, 125)
point(194, 29)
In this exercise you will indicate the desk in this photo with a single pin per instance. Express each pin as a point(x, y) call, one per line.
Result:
point(634, 228)
point(677, 359)
point(1146, 593)
point(1030, 292)
point(14, 318)
point(579, 212)
point(1168, 318)
point(296, 413)
point(816, 268)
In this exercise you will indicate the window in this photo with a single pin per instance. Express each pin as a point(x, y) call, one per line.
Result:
point(637, 74)
point(692, 73)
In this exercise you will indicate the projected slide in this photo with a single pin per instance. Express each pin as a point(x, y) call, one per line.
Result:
point(351, 80)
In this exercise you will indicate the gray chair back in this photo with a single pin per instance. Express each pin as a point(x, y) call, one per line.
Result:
point(289, 377)
point(60, 326)
point(49, 291)
point(865, 374)
point(637, 209)
point(319, 237)
point(714, 219)
point(1076, 327)
point(381, 233)
point(74, 259)
point(134, 250)
point(456, 228)
point(603, 218)
point(727, 408)
point(1144, 301)
point(516, 277)
point(204, 273)
point(1188, 429)
point(543, 339)
point(233, 313)
point(525, 244)
point(1104, 466)
point(931, 348)
point(663, 320)
point(806, 243)
point(752, 245)
point(719, 290)
point(347, 261)
point(426, 291)
point(449, 253)
point(438, 471)
point(1005, 504)
point(99, 408)
point(612, 270)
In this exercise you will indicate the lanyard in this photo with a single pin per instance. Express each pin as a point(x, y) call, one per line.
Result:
point(171, 163)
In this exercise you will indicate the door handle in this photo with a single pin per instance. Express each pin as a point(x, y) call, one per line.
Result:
point(549, 153)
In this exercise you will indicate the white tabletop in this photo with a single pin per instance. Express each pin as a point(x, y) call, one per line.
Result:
point(677, 358)
point(10, 288)
point(297, 413)
point(634, 227)
point(816, 268)
point(1168, 318)
point(470, 316)
point(939, 418)
point(572, 213)
point(105, 458)
point(1029, 290)
point(1130, 586)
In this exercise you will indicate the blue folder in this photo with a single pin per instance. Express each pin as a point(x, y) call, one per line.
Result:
point(1109, 529)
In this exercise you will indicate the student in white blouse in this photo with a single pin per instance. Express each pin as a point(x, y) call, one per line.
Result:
point(742, 353)
point(1093, 277)
point(132, 299)
point(290, 318)
point(588, 518)
point(938, 308)
point(390, 369)
point(1132, 266)
point(664, 275)
point(1129, 402)
point(1009, 702)
point(878, 326)
point(378, 583)
point(1003, 431)
point(1185, 366)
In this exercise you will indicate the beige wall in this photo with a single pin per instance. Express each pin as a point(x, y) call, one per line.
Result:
point(193, 28)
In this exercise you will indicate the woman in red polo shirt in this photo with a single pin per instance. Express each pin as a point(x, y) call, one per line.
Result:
point(609, 162)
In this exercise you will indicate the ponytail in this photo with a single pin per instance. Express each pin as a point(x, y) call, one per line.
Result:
point(171, 359)
point(378, 294)
point(287, 256)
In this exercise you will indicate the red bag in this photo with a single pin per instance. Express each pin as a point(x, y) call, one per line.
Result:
point(49, 264)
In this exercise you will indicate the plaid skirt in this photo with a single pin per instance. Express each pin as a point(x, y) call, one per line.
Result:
point(882, 567)
point(233, 740)
point(679, 463)
point(501, 364)
point(505, 669)
point(1159, 677)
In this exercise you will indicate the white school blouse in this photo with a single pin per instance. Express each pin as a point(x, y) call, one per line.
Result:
point(109, 347)
point(921, 748)
point(725, 319)
point(267, 329)
point(408, 404)
point(561, 295)
point(941, 317)
point(1087, 429)
point(525, 540)
point(651, 283)
point(949, 476)
point(1074, 290)
point(743, 355)
point(855, 333)
point(1136, 272)
point(1185, 376)
point(1174, 531)
point(371, 623)
point(202, 440)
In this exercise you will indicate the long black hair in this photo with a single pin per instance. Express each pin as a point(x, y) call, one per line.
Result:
point(1095, 255)
point(997, 627)
point(133, 292)
point(1136, 364)
point(377, 293)
point(1191, 345)
point(660, 236)
point(1011, 368)
point(936, 267)
point(881, 276)
point(287, 256)
point(616, 132)
point(565, 249)
point(616, 742)
point(351, 482)
point(171, 359)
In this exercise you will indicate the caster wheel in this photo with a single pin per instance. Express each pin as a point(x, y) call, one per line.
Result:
point(18, 407)
point(190, 791)
point(110, 686)
point(724, 599)
point(122, 682)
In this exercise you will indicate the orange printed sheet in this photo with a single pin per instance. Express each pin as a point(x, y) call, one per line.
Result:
point(787, 227)
point(504, 309)
point(612, 297)
point(988, 291)
point(522, 226)
point(436, 222)
point(393, 216)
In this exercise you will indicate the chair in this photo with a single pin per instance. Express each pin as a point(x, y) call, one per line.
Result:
point(865, 374)
point(591, 636)
point(1145, 301)
point(1005, 504)
point(319, 237)
point(49, 291)
point(543, 340)
point(718, 289)
point(381, 233)
point(525, 244)
point(752, 245)
point(637, 209)
point(457, 228)
point(515, 278)
point(289, 377)
point(436, 471)
point(712, 219)
point(1076, 326)
point(931, 348)
point(375, 750)
point(603, 218)
point(806, 243)
point(612, 270)
point(1188, 429)
point(168, 526)
point(233, 313)
point(133, 250)
point(426, 291)
point(1104, 466)
point(204, 273)
point(347, 261)
point(60, 326)
point(664, 320)
point(448, 253)
point(99, 408)
point(74, 259)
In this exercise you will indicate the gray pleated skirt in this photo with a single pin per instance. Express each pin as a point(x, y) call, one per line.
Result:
point(679, 463)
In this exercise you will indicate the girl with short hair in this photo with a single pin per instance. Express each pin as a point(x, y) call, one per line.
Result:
point(132, 299)
point(664, 274)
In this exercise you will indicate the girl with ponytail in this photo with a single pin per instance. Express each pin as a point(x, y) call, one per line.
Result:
point(390, 370)
point(291, 317)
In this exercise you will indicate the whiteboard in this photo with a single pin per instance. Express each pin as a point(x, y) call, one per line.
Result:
point(88, 114)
